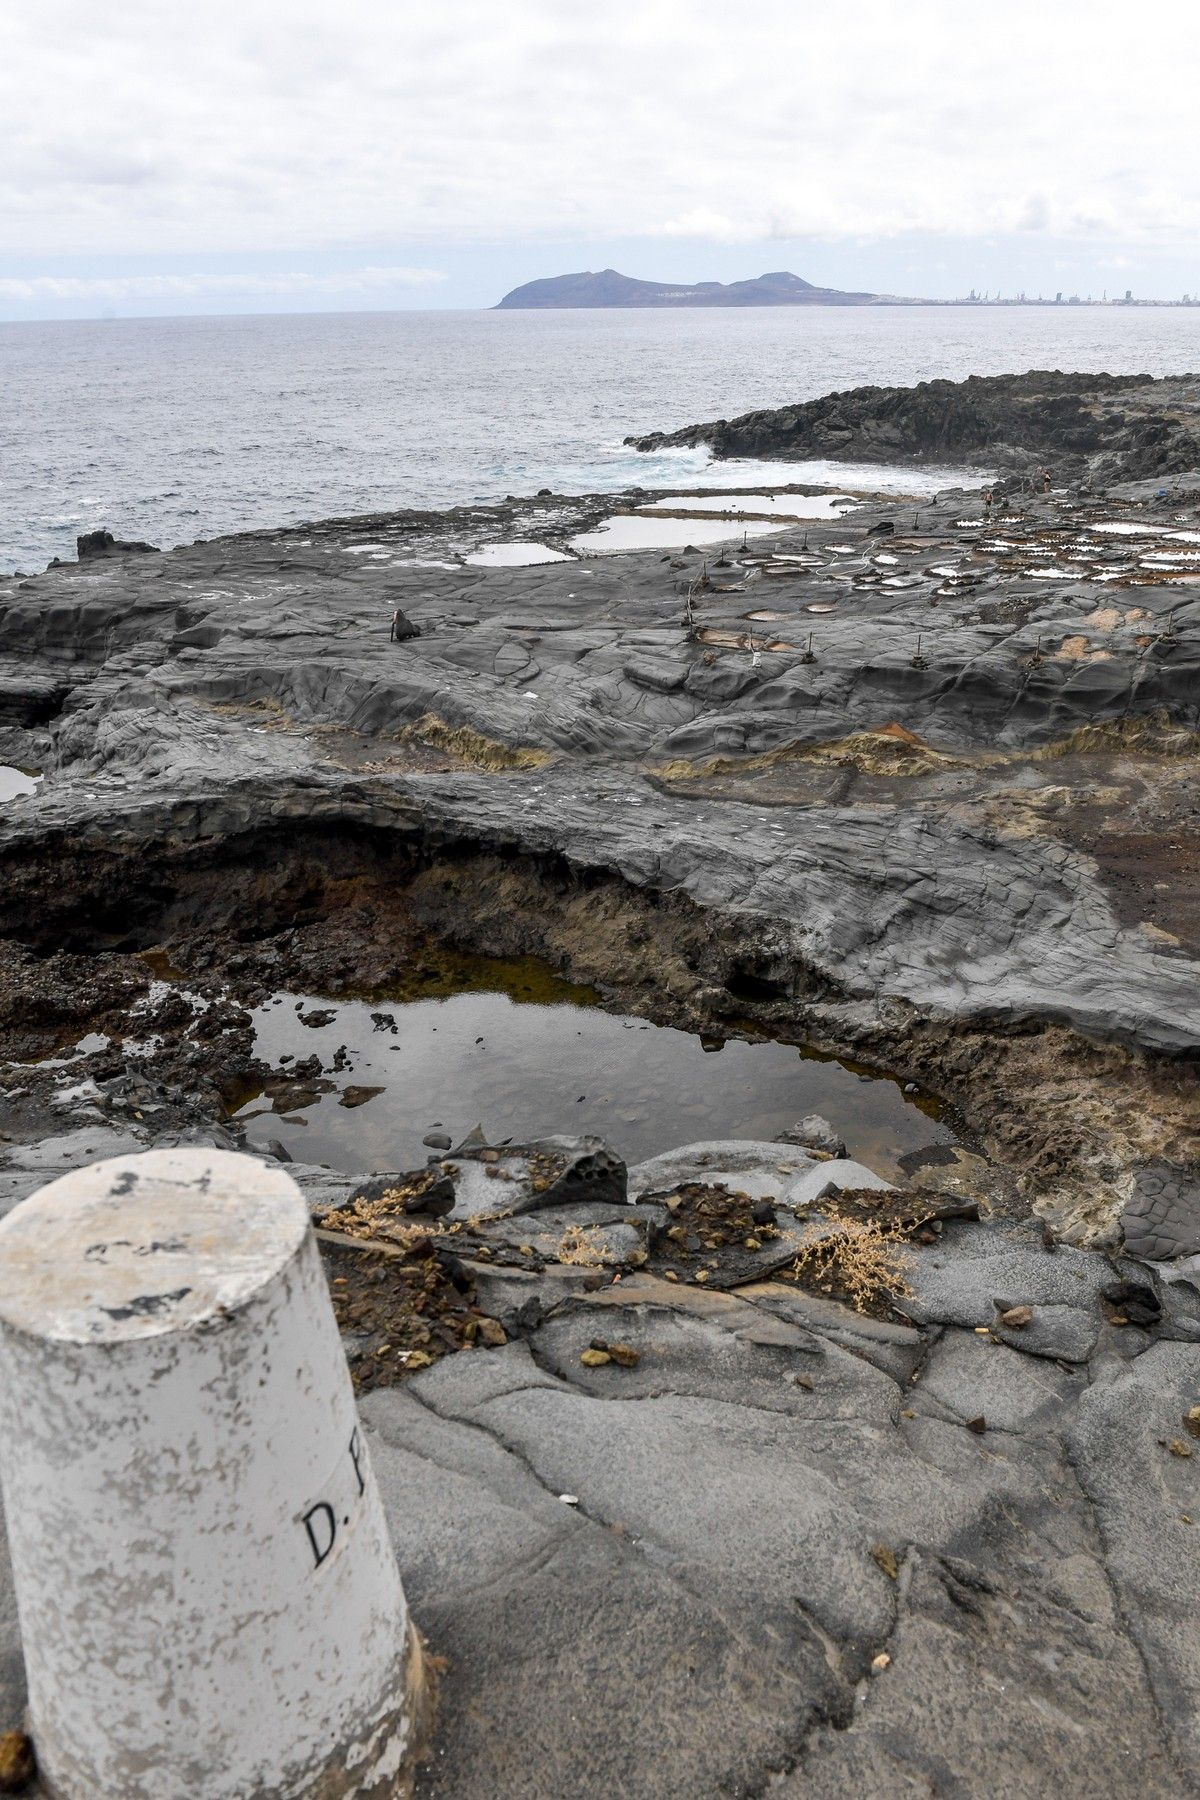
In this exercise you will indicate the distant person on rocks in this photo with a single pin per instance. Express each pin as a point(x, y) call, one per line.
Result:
point(393, 634)
point(987, 500)
point(1046, 482)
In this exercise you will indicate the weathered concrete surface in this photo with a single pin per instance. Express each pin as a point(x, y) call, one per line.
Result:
point(186, 1493)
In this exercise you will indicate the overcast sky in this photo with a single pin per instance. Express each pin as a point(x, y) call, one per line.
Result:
point(245, 155)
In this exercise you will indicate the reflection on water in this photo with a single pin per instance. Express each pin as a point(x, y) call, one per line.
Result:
point(527, 1054)
point(514, 556)
point(779, 506)
point(644, 532)
point(14, 782)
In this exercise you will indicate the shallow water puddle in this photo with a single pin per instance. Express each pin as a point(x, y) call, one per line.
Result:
point(15, 782)
point(644, 532)
point(526, 1054)
point(514, 556)
point(781, 506)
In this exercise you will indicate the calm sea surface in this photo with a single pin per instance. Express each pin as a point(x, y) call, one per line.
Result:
point(173, 429)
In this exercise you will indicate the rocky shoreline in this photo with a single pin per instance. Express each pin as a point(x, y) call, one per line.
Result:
point(1104, 428)
point(913, 785)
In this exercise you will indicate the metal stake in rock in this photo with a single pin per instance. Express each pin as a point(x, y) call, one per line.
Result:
point(208, 1597)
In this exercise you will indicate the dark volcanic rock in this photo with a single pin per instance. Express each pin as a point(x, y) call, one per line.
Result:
point(1134, 425)
point(923, 797)
point(103, 543)
point(1162, 1219)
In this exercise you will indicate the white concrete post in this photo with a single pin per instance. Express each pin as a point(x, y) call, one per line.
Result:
point(209, 1603)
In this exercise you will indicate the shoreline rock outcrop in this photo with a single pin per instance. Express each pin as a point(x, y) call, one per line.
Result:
point(1117, 427)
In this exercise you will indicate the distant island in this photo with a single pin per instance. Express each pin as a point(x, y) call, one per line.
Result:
point(609, 287)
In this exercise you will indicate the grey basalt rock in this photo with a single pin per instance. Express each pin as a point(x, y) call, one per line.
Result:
point(878, 1561)
point(1162, 1218)
point(524, 1178)
point(761, 1170)
point(1130, 425)
point(103, 543)
point(839, 1176)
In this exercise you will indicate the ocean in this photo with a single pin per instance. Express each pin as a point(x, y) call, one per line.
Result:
point(173, 429)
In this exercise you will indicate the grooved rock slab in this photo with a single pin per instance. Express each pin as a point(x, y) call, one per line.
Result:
point(1162, 1219)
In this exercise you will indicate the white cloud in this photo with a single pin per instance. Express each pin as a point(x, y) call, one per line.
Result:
point(258, 125)
point(714, 227)
point(117, 290)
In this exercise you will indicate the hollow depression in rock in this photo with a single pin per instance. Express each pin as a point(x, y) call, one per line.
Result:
point(528, 1055)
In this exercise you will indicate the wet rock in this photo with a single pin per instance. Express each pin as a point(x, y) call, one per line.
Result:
point(287, 1099)
point(102, 543)
point(1124, 423)
point(354, 1095)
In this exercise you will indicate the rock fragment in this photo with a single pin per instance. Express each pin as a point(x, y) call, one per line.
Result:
point(18, 1765)
point(887, 1559)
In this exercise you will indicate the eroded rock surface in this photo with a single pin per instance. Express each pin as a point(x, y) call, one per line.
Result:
point(914, 785)
point(927, 798)
point(1126, 427)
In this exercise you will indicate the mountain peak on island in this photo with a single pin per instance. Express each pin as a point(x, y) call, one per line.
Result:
point(608, 288)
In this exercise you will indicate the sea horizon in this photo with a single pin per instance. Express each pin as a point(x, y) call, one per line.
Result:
point(169, 429)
